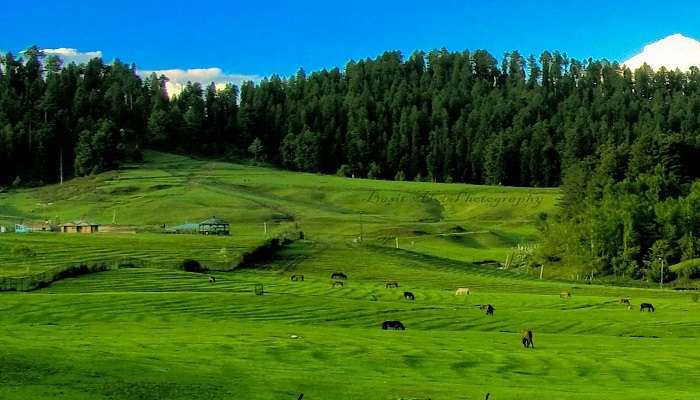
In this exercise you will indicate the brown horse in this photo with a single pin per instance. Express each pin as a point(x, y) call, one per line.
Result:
point(526, 338)
point(646, 307)
point(391, 285)
point(409, 296)
point(565, 295)
point(395, 325)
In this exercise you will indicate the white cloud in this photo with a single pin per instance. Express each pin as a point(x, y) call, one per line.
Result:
point(178, 77)
point(675, 51)
point(69, 55)
point(205, 76)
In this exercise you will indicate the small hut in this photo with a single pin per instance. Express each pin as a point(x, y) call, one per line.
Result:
point(214, 226)
point(80, 227)
point(20, 228)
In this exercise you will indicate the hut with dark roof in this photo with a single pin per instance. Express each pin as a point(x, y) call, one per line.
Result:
point(214, 226)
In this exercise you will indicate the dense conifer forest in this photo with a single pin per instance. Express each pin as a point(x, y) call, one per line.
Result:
point(622, 144)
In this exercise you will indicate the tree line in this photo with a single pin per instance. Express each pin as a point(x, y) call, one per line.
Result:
point(441, 116)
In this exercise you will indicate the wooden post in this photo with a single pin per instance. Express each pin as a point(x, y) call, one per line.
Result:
point(541, 270)
point(265, 228)
point(397, 242)
point(60, 156)
point(361, 227)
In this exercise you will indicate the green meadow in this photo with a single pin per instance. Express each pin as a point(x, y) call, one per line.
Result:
point(155, 332)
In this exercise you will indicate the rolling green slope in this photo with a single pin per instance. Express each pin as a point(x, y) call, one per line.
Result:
point(157, 334)
point(462, 222)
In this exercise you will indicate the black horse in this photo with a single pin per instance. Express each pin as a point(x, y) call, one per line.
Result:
point(526, 338)
point(395, 325)
point(646, 307)
point(408, 296)
point(488, 309)
point(391, 285)
point(296, 277)
point(339, 275)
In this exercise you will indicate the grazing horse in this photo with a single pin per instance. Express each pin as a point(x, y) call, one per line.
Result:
point(646, 307)
point(462, 291)
point(395, 325)
point(391, 285)
point(299, 277)
point(338, 284)
point(408, 296)
point(339, 275)
point(565, 295)
point(526, 338)
point(212, 279)
point(625, 300)
point(488, 309)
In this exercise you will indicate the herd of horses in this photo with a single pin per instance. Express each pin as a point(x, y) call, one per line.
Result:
point(338, 280)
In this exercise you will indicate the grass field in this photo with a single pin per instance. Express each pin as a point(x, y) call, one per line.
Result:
point(159, 333)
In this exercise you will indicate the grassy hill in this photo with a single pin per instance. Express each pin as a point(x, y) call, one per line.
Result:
point(159, 333)
point(463, 222)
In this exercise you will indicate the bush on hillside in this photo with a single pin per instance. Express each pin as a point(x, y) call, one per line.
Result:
point(189, 265)
point(23, 251)
point(345, 171)
point(689, 269)
point(375, 171)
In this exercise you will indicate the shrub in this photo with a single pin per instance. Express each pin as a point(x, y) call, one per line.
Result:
point(78, 270)
point(23, 251)
point(375, 171)
point(189, 265)
point(345, 170)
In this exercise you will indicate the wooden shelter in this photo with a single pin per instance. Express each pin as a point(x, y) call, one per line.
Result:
point(214, 226)
point(80, 227)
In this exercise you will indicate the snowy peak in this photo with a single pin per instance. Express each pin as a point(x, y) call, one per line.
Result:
point(675, 51)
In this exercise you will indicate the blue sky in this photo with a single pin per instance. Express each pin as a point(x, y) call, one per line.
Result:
point(265, 37)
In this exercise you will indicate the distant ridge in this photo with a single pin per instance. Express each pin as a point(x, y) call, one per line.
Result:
point(675, 51)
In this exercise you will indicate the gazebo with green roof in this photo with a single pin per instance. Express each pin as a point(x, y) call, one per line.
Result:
point(214, 226)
